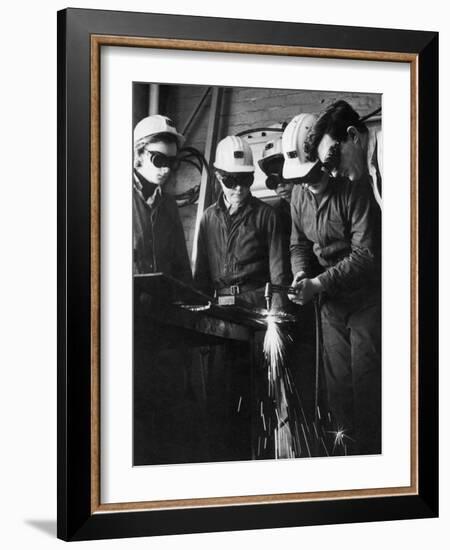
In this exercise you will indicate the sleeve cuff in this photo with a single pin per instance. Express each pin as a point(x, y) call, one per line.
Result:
point(327, 282)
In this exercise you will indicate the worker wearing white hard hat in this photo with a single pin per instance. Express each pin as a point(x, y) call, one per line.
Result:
point(234, 170)
point(271, 163)
point(159, 375)
point(337, 223)
point(159, 243)
point(341, 143)
point(154, 125)
point(240, 245)
point(240, 248)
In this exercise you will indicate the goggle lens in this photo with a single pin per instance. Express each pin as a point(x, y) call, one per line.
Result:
point(273, 181)
point(160, 160)
point(233, 180)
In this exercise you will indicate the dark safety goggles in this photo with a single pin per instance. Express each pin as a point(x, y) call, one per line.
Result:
point(273, 169)
point(233, 180)
point(160, 160)
point(274, 180)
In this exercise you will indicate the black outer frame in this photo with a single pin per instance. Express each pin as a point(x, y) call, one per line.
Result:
point(75, 521)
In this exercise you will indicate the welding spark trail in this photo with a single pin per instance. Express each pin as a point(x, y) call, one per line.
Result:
point(239, 404)
point(339, 439)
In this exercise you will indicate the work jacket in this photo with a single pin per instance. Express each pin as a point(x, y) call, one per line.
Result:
point(158, 238)
point(343, 232)
point(283, 210)
point(245, 248)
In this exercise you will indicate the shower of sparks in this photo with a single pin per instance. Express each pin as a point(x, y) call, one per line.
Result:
point(280, 411)
point(285, 429)
point(275, 343)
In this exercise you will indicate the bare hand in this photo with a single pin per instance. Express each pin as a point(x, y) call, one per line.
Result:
point(298, 277)
point(306, 290)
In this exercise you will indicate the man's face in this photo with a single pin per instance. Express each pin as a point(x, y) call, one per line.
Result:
point(345, 158)
point(237, 194)
point(152, 173)
point(284, 190)
point(318, 184)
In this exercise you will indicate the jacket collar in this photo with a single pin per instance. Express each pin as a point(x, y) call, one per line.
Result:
point(243, 208)
point(147, 190)
point(332, 188)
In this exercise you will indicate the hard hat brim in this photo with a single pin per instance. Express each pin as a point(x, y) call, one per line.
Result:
point(264, 161)
point(245, 169)
point(293, 168)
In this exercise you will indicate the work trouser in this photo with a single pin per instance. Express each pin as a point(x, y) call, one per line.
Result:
point(352, 361)
point(228, 391)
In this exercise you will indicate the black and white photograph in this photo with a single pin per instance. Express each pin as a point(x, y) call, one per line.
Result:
point(256, 273)
point(225, 282)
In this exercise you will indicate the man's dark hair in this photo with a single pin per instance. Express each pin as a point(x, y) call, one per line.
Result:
point(333, 121)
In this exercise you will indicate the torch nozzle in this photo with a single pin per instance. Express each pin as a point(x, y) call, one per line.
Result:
point(270, 289)
point(268, 293)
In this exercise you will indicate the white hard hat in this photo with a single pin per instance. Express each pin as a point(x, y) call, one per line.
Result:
point(295, 163)
point(233, 154)
point(156, 124)
point(271, 149)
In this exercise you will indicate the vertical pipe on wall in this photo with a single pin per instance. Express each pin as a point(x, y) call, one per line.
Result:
point(153, 101)
point(195, 112)
point(204, 198)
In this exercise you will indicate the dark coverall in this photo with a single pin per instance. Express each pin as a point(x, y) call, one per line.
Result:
point(245, 249)
point(343, 229)
point(283, 210)
point(301, 352)
point(163, 423)
point(158, 238)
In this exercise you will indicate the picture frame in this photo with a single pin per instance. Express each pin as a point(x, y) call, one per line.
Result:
point(81, 35)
